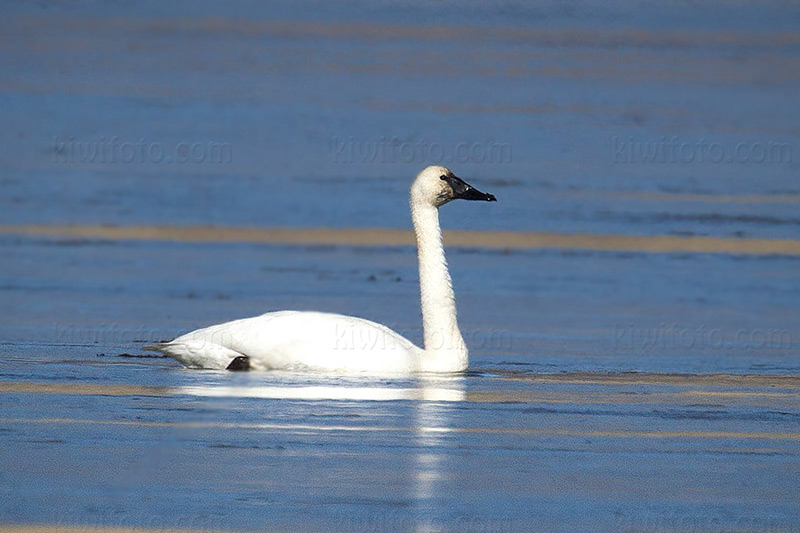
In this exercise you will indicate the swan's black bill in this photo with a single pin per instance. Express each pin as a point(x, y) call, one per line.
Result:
point(464, 191)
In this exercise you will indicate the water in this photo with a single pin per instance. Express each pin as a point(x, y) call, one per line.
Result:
point(580, 119)
point(561, 423)
point(608, 390)
point(112, 442)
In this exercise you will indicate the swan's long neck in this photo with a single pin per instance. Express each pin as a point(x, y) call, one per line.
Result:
point(445, 350)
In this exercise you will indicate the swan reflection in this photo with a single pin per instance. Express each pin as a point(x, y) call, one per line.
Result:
point(432, 405)
point(433, 422)
point(329, 392)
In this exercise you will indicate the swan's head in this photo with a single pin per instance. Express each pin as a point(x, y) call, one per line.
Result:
point(438, 185)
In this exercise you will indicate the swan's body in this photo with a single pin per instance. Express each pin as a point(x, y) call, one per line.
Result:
point(299, 340)
point(295, 340)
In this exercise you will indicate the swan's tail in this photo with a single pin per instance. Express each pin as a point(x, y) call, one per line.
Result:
point(156, 347)
point(196, 354)
point(166, 348)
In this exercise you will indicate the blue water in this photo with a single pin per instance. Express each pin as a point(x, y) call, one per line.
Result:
point(490, 451)
point(572, 116)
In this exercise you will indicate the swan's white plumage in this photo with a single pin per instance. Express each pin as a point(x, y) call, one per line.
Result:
point(295, 340)
point(299, 340)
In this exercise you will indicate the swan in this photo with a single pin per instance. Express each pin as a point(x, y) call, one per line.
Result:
point(315, 341)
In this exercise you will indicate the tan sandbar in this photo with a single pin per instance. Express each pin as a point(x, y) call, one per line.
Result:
point(503, 240)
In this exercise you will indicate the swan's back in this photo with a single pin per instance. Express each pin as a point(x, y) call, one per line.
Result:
point(298, 340)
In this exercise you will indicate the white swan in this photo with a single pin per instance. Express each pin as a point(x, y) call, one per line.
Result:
point(298, 340)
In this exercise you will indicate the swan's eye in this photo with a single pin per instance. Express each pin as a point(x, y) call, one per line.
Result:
point(442, 177)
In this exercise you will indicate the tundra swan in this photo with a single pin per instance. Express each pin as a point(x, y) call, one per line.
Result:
point(302, 340)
